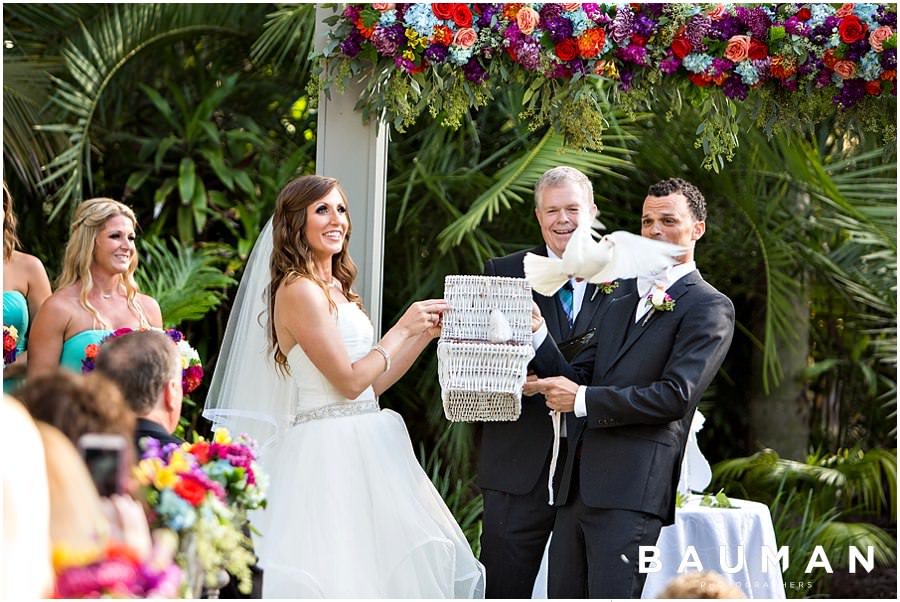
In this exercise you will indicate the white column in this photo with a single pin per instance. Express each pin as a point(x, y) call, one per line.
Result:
point(356, 154)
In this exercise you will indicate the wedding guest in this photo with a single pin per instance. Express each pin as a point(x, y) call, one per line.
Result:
point(78, 404)
point(146, 367)
point(25, 570)
point(96, 292)
point(25, 288)
point(706, 585)
point(514, 460)
point(628, 402)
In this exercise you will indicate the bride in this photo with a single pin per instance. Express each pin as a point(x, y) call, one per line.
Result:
point(351, 514)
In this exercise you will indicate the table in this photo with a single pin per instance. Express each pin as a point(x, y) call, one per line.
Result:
point(708, 530)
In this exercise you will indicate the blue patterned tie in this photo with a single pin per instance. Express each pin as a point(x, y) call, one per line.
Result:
point(568, 303)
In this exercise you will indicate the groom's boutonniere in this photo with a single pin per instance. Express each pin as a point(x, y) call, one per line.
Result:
point(658, 300)
point(605, 288)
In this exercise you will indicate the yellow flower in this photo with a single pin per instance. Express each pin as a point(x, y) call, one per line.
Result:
point(177, 462)
point(165, 478)
point(64, 556)
point(12, 330)
point(409, 55)
point(146, 469)
point(222, 436)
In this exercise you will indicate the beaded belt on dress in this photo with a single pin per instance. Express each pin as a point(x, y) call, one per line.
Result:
point(337, 410)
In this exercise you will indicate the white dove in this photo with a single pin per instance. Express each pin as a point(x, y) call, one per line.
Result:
point(499, 329)
point(619, 254)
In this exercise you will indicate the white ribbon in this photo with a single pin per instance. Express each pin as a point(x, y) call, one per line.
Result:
point(555, 417)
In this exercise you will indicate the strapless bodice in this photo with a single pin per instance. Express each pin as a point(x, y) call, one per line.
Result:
point(74, 347)
point(315, 392)
point(15, 313)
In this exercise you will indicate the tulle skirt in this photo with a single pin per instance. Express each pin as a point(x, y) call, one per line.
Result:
point(352, 514)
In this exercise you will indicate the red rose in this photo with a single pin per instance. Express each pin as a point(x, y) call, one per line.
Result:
point(190, 490)
point(803, 14)
point(638, 40)
point(873, 88)
point(442, 10)
point(758, 50)
point(681, 47)
point(567, 49)
point(852, 29)
point(462, 16)
point(200, 450)
point(699, 80)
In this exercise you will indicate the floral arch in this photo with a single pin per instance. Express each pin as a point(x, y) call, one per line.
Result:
point(772, 65)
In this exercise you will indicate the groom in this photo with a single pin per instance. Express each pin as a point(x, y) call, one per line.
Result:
point(663, 340)
point(515, 456)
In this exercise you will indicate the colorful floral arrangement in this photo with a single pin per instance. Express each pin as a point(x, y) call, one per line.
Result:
point(203, 491)
point(10, 340)
point(191, 367)
point(792, 60)
point(118, 571)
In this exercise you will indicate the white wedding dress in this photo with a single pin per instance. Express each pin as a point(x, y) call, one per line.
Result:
point(351, 513)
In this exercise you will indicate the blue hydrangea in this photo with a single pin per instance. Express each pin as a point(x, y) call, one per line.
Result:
point(607, 45)
point(388, 17)
point(696, 62)
point(866, 13)
point(834, 41)
point(818, 13)
point(580, 21)
point(769, 11)
point(693, 10)
point(870, 66)
point(177, 513)
point(837, 80)
point(748, 73)
point(460, 56)
point(421, 19)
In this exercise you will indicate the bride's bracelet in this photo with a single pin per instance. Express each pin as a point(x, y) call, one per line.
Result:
point(385, 355)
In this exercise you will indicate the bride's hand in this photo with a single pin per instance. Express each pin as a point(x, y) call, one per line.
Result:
point(424, 316)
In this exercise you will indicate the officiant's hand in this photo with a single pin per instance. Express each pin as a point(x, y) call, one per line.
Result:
point(558, 391)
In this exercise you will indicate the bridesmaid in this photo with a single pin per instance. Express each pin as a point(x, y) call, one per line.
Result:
point(25, 288)
point(96, 292)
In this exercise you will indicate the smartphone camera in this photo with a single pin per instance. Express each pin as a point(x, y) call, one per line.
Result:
point(106, 459)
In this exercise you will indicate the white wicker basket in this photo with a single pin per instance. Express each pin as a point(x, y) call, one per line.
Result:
point(481, 380)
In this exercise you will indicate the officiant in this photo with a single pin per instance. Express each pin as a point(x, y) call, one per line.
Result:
point(628, 406)
point(514, 462)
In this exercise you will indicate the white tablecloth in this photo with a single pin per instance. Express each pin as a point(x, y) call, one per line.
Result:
point(708, 530)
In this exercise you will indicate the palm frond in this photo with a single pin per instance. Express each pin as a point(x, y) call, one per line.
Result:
point(287, 39)
point(185, 282)
point(94, 59)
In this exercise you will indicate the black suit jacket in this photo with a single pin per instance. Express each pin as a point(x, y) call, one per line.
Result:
point(646, 380)
point(513, 454)
point(148, 428)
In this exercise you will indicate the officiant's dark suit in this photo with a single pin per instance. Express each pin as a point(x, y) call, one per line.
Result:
point(514, 456)
point(645, 378)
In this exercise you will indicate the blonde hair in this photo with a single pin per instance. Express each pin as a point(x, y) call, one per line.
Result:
point(10, 237)
point(706, 585)
point(90, 218)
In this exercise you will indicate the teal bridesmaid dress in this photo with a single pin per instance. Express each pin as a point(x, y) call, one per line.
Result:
point(15, 313)
point(74, 347)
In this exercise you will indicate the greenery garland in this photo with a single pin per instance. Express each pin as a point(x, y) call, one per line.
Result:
point(778, 65)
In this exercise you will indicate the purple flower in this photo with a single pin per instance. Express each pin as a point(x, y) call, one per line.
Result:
point(436, 53)
point(653, 10)
point(823, 78)
point(670, 64)
point(487, 13)
point(352, 44)
point(789, 84)
point(528, 54)
point(762, 67)
point(404, 63)
point(889, 59)
point(633, 54)
point(795, 26)
point(697, 28)
point(725, 28)
point(621, 27)
point(352, 12)
point(558, 27)
point(592, 10)
point(474, 72)
point(644, 25)
point(850, 94)
point(856, 50)
point(756, 20)
point(720, 66)
point(559, 71)
point(735, 88)
point(387, 40)
point(888, 18)
point(625, 78)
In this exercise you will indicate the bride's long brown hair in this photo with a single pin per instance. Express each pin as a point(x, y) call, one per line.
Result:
point(291, 255)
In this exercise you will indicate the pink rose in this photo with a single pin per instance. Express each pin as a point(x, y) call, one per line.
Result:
point(383, 6)
point(882, 34)
point(738, 48)
point(527, 19)
point(846, 69)
point(570, 6)
point(465, 37)
point(718, 13)
point(845, 10)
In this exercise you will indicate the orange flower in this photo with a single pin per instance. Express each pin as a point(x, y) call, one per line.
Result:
point(829, 59)
point(511, 10)
point(442, 35)
point(738, 48)
point(879, 36)
point(889, 74)
point(591, 42)
point(91, 351)
point(845, 10)
point(527, 19)
point(782, 68)
point(365, 31)
point(846, 69)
